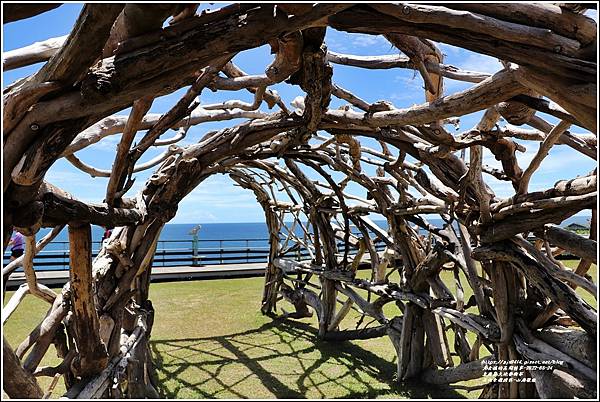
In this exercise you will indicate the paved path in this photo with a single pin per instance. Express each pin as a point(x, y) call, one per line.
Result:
point(159, 274)
point(59, 278)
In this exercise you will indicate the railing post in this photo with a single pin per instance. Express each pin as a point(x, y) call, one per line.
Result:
point(247, 252)
point(195, 250)
point(221, 251)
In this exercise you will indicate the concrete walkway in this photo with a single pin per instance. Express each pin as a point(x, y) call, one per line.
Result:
point(59, 278)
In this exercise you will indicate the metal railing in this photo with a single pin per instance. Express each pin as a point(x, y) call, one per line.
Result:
point(173, 253)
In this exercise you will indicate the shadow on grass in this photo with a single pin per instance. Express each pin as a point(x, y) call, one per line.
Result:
point(282, 358)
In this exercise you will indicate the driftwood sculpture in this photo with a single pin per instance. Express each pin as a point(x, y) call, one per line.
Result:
point(523, 307)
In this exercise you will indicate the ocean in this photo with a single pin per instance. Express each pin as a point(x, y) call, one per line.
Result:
point(211, 236)
point(176, 235)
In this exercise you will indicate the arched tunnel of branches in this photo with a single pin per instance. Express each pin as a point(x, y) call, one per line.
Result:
point(523, 305)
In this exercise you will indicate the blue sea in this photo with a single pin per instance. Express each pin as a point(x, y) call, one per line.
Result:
point(211, 236)
point(175, 235)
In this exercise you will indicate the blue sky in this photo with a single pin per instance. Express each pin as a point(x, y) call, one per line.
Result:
point(217, 199)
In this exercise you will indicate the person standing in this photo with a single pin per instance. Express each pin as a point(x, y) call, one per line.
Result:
point(17, 245)
point(106, 235)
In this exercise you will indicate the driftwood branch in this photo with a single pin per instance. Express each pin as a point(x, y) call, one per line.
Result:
point(318, 172)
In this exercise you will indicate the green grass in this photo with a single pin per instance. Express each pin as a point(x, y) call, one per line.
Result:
point(210, 341)
point(227, 349)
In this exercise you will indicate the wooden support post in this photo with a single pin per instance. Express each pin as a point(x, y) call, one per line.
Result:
point(92, 358)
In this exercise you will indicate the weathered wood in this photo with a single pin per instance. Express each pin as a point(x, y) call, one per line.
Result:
point(558, 384)
point(12, 12)
point(31, 54)
point(116, 124)
point(43, 335)
point(92, 357)
point(101, 322)
point(545, 147)
point(495, 89)
point(95, 387)
point(574, 342)
point(340, 315)
point(477, 23)
point(462, 372)
point(367, 20)
point(32, 285)
point(570, 241)
point(546, 16)
point(356, 334)
point(393, 61)
point(541, 277)
point(9, 268)
point(60, 209)
point(17, 382)
point(116, 181)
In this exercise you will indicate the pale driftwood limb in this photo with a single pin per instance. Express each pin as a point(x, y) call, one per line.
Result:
point(531, 216)
point(480, 24)
point(542, 278)
point(366, 307)
point(8, 269)
point(95, 172)
point(545, 147)
point(32, 285)
point(566, 94)
point(356, 334)
point(19, 295)
point(536, 347)
point(116, 124)
point(236, 104)
point(34, 53)
point(340, 315)
point(570, 241)
point(462, 372)
point(499, 87)
point(348, 96)
point(395, 61)
point(558, 384)
point(271, 97)
point(116, 182)
point(468, 322)
point(416, 171)
point(547, 16)
point(574, 342)
point(97, 385)
point(43, 335)
point(572, 201)
point(563, 188)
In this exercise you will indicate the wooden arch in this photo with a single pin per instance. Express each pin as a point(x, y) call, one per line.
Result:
point(523, 304)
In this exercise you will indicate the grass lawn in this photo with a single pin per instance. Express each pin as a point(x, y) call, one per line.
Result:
point(210, 341)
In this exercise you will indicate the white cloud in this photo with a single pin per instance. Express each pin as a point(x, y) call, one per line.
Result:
point(449, 49)
point(109, 143)
point(363, 40)
point(481, 63)
point(592, 14)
